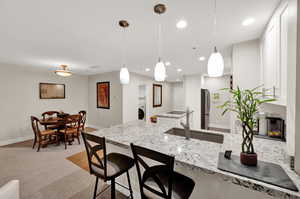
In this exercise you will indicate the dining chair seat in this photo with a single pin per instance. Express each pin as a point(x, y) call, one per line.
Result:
point(53, 127)
point(117, 164)
point(182, 186)
point(48, 132)
point(42, 137)
point(71, 128)
point(69, 131)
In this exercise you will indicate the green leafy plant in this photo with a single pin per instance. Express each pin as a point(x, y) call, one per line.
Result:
point(245, 104)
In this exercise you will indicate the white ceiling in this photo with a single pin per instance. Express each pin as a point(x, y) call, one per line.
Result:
point(85, 34)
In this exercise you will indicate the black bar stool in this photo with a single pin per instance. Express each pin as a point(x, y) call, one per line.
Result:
point(161, 179)
point(108, 168)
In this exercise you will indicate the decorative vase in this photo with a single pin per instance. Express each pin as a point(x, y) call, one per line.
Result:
point(248, 159)
point(248, 156)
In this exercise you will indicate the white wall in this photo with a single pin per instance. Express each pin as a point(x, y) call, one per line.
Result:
point(105, 117)
point(246, 70)
point(291, 74)
point(19, 99)
point(177, 96)
point(192, 88)
point(246, 64)
point(131, 95)
point(214, 85)
point(247, 75)
point(296, 82)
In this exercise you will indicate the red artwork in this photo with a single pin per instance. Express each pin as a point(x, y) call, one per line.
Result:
point(103, 100)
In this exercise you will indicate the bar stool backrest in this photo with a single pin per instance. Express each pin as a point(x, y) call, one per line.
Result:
point(166, 166)
point(94, 144)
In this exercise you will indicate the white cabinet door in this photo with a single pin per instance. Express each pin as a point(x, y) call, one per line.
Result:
point(274, 56)
point(269, 57)
point(283, 54)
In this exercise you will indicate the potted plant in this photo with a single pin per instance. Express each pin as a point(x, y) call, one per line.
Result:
point(245, 104)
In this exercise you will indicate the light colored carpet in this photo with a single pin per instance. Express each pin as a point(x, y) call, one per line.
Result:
point(47, 174)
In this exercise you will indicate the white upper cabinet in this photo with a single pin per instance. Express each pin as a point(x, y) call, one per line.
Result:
point(274, 56)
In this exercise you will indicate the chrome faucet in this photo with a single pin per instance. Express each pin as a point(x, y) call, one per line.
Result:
point(187, 129)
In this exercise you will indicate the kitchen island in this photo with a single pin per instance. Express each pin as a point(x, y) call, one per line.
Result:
point(199, 160)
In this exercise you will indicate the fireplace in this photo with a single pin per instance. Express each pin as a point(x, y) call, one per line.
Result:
point(275, 128)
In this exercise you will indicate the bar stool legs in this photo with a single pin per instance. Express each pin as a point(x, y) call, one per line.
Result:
point(113, 189)
point(96, 186)
point(129, 185)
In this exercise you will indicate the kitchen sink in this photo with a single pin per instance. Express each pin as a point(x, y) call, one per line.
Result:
point(210, 137)
point(176, 112)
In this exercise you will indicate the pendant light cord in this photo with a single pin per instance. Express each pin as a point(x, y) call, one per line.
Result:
point(159, 41)
point(215, 24)
point(123, 47)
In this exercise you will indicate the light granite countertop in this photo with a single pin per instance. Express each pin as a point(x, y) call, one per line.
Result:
point(173, 115)
point(203, 155)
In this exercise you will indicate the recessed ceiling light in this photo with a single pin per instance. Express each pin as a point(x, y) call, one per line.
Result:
point(202, 58)
point(168, 63)
point(179, 70)
point(248, 21)
point(147, 69)
point(181, 24)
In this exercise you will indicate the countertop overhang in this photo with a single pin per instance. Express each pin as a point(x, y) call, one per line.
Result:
point(202, 155)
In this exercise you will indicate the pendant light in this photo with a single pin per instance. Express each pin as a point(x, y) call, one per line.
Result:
point(124, 73)
point(64, 72)
point(215, 66)
point(160, 69)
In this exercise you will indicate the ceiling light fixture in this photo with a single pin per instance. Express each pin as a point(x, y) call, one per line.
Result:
point(64, 72)
point(124, 73)
point(215, 66)
point(160, 69)
point(202, 58)
point(181, 24)
point(179, 70)
point(147, 69)
point(168, 63)
point(248, 21)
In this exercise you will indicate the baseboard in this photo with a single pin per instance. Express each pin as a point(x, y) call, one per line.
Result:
point(29, 137)
point(94, 126)
point(15, 140)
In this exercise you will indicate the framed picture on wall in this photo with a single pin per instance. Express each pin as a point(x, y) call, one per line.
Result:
point(52, 91)
point(157, 95)
point(103, 95)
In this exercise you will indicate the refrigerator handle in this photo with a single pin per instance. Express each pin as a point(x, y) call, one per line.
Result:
point(208, 101)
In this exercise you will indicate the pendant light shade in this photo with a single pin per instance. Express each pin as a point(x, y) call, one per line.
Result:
point(124, 73)
point(124, 76)
point(215, 67)
point(160, 71)
point(63, 72)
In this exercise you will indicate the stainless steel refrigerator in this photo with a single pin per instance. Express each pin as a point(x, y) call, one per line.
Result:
point(205, 108)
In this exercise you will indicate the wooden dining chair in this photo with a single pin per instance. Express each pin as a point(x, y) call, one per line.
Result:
point(49, 115)
point(109, 166)
point(160, 180)
point(72, 128)
point(83, 120)
point(42, 137)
